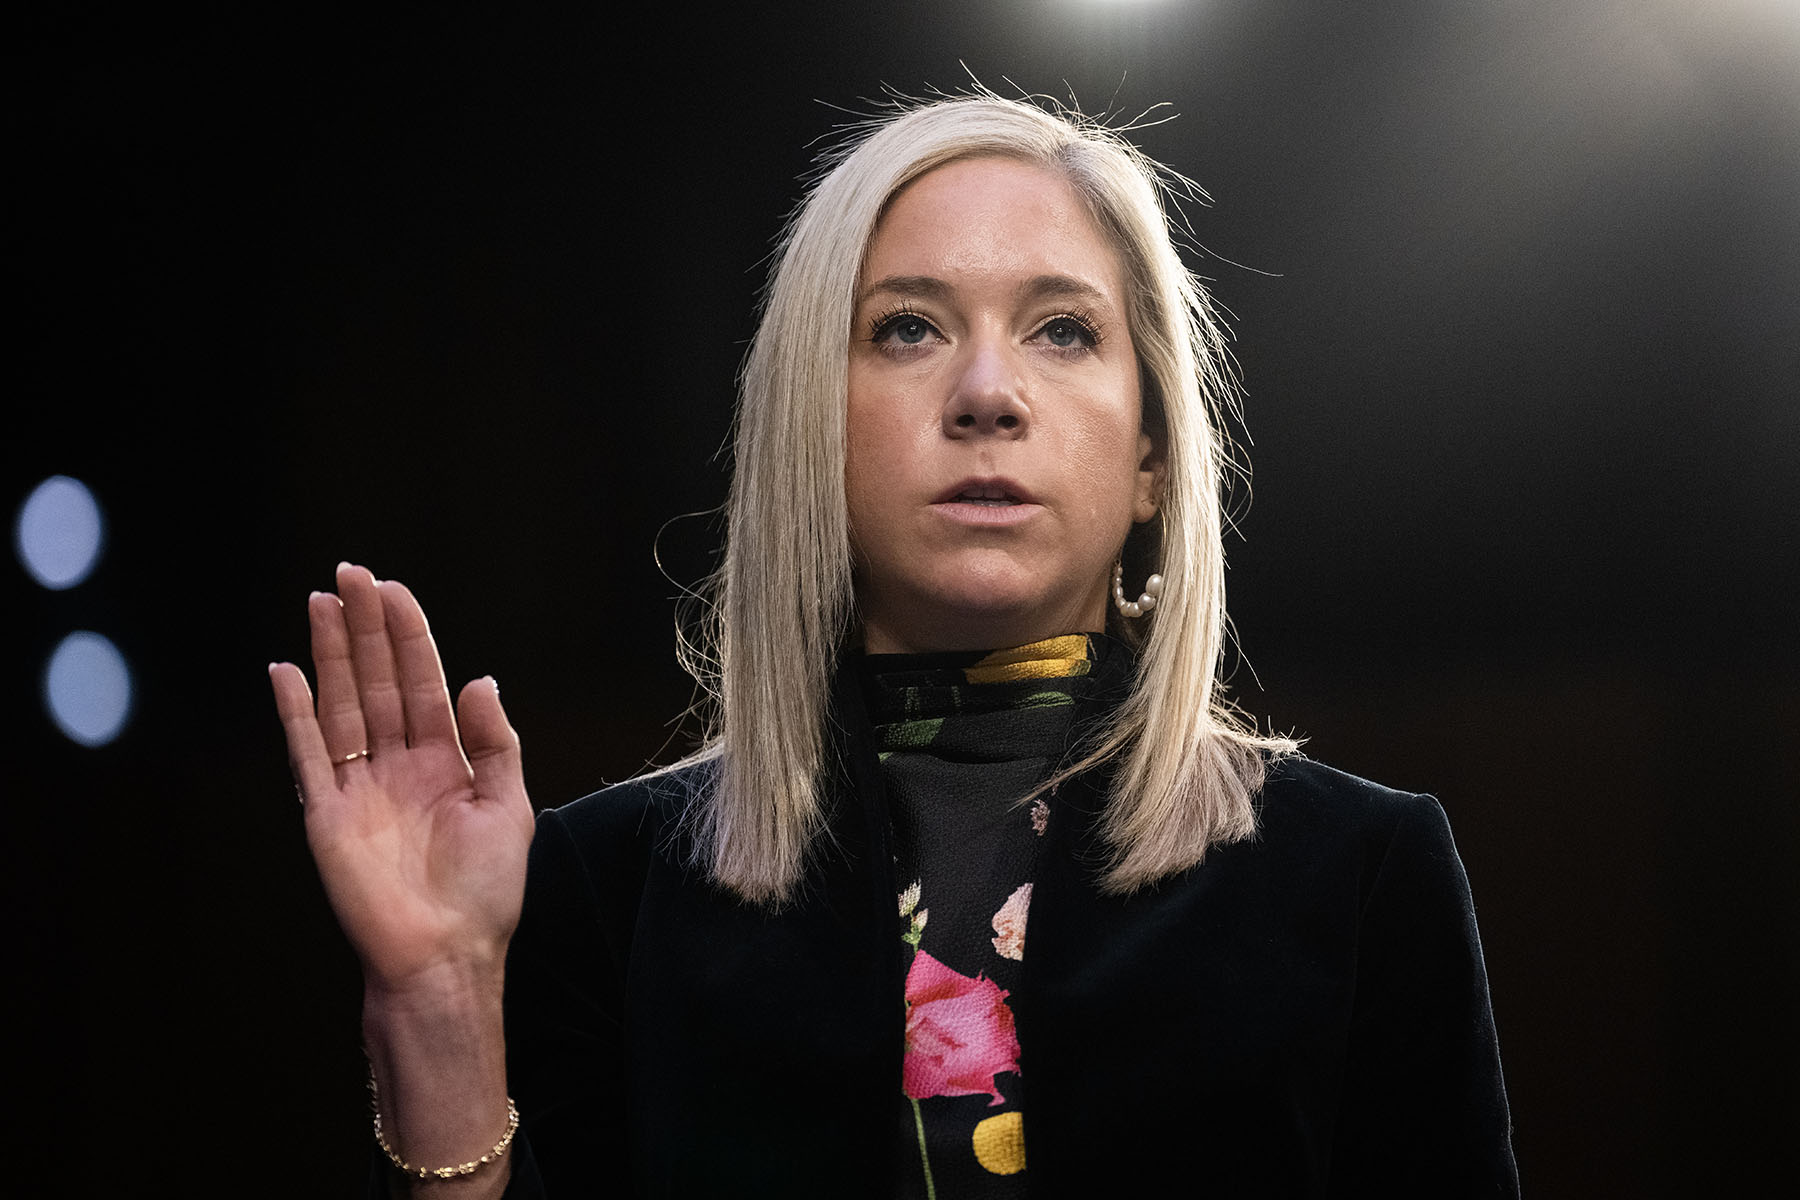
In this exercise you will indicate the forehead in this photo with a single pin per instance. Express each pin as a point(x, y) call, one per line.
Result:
point(992, 220)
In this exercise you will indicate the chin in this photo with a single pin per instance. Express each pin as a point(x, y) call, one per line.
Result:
point(983, 601)
point(984, 589)
point(995, 616)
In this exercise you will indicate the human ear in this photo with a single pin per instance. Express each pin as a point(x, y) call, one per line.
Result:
point(1151, 475)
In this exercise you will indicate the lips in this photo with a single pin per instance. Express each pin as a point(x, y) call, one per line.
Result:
point(986, 492)
point(988, 503)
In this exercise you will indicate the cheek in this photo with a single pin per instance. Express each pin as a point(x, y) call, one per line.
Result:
point(1105, 452)
point(863, 437)
point(873, 463)
point(1109, 489)
point(887, 430)
point(859, 455)
point(857, 484)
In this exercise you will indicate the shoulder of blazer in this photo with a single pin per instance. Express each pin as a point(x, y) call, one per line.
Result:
point(1322, 813)
point(1298, 788)
point(620, 829)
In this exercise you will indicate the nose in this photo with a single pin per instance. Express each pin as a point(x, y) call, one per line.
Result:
point(988, 398)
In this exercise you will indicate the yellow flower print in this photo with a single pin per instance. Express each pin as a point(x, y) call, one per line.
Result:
point(1000, 1143)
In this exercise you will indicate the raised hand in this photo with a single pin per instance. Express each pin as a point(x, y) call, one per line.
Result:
point(417, 817)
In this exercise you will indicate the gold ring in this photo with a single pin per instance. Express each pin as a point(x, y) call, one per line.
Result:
point(350, 758)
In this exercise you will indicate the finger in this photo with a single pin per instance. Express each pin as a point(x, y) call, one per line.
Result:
point(489, 741)
point(307, 756)
point(340, 708)
point(372, 659)
point(423, 692)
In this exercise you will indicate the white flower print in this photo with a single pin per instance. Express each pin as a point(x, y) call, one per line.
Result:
point(1009, 924)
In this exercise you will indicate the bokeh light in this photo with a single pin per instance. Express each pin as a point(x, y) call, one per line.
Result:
point(87, 688)
point(58, 532)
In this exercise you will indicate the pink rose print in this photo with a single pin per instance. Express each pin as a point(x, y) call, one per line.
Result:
point(959, 1033)
point(1009, 924)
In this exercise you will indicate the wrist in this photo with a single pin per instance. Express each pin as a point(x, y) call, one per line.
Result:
point(444, 1014)
point(437, 1070)
point(449, 1171)
point(443, 988)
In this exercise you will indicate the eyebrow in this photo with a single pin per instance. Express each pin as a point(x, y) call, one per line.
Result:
point(1038, 287)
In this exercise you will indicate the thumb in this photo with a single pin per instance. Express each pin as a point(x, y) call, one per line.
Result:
point(489, 741)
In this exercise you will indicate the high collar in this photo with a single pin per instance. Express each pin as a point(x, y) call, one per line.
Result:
point(857, 810)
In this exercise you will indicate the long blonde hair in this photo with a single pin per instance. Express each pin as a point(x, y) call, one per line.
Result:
point(782, 603)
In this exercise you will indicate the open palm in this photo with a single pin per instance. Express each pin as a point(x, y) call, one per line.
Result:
point(421, 842)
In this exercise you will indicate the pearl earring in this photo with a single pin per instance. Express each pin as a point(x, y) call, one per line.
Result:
point(1135, 608)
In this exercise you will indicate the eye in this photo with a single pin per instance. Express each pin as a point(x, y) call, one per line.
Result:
point(902, 329)
point(909, 331)
point(1070, 333)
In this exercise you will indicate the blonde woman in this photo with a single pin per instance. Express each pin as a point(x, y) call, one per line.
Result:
point(978, 888)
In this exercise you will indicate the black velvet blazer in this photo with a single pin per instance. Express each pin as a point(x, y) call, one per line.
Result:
point(1302, 1015)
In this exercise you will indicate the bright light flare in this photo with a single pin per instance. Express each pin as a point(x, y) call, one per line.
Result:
point(87, 688)
point(58, 532)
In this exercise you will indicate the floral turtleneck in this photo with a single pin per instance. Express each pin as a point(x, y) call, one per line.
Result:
point(961, 738)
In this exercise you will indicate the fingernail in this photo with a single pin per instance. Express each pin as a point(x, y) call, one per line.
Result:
point(313, 596)
point(342, 567)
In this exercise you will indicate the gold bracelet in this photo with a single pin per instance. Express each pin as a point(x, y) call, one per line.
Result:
point(460, 1169)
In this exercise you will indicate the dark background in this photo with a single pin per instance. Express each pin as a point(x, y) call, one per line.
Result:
point(1517, 293)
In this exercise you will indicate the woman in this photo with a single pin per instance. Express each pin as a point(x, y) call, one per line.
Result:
point(797, 963)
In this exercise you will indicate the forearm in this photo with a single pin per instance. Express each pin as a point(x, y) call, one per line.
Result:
point(438, 1053)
